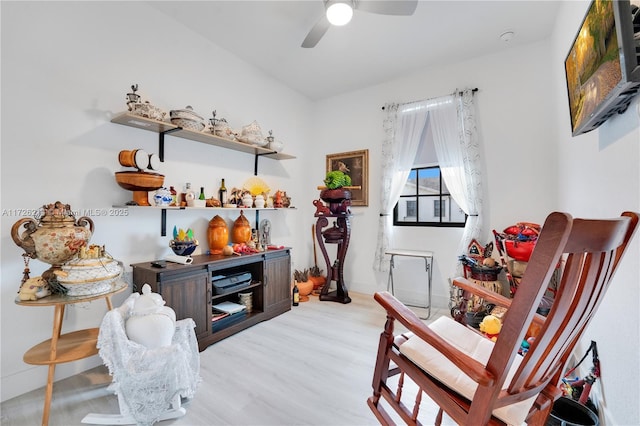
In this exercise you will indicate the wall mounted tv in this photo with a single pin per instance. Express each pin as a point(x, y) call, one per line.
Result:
point(603, 65)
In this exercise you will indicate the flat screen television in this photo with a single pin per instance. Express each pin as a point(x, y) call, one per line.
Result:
point(603, 66)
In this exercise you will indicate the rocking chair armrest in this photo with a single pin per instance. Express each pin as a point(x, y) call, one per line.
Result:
point(397, 310)
point(490, 296)
point(486, 294)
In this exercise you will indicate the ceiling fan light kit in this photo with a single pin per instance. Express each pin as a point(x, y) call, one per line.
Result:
point(339, 12)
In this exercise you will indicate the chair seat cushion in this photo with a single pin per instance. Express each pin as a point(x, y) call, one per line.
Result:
point(472, 344)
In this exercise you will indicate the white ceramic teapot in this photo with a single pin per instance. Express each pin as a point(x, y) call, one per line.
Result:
point(151, 324)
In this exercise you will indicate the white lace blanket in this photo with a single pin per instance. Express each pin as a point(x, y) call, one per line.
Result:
point(148, 379)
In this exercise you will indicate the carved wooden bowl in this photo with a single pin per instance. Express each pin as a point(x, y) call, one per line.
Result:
point(140, 183)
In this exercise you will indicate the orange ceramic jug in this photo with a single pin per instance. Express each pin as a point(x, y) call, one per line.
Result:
point(217, 234)
point(241, 229)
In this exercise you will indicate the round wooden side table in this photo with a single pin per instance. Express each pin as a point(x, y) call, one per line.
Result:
point(64, 347)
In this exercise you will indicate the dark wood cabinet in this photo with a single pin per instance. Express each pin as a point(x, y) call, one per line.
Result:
point(181, 291)
point(187, 289)
point(277, 287)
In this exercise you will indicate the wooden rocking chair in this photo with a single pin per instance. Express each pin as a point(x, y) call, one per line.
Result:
point(476, 381)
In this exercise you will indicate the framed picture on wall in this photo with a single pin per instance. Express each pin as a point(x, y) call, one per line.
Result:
point(356, 165)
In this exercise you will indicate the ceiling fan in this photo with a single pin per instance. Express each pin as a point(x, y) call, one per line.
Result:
point(339, 12)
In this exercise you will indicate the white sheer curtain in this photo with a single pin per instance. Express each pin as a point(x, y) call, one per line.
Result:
point(404, 127)
point(458, 152)
point(456, 142)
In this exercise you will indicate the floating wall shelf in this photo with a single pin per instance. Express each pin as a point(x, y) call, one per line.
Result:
point(163, 128)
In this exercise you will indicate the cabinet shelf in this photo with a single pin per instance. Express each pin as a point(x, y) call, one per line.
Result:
point(218, 297)
point(162, 128)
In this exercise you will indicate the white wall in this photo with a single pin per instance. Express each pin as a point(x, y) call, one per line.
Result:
point(66, 67)
point(599, 175)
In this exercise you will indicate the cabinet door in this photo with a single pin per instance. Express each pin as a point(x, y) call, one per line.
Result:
point(190, 296)
point(277, 284)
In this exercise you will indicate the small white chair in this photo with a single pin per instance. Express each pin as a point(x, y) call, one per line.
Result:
point(150, 383)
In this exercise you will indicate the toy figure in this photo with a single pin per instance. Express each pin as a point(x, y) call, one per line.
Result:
point(321, 209)
point(277, 200)
point(491, 327)
point(34, 289)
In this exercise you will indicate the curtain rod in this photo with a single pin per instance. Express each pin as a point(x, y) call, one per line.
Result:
point(474, 90)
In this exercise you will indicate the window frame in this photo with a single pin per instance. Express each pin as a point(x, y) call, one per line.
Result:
point(417, 196)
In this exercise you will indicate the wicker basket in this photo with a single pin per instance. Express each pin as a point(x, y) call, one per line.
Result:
point(86, 277)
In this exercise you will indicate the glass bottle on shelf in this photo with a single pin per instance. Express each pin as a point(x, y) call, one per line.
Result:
point(189, 195)
point(223, 194)
point(201, 196)
point(183, 194)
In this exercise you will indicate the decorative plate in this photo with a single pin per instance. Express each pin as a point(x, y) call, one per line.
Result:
point(256, 186)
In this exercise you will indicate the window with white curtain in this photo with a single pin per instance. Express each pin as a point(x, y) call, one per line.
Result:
point(425, 199)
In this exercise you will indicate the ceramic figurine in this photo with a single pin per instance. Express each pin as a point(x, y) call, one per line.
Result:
point(247, 200)
point(163, 197)
point(321, 209)
point(34, 289)
point(133, 97)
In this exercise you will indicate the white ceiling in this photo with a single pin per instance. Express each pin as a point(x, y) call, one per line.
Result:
point(371, 49)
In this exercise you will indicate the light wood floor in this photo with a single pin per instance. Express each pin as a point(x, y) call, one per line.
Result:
point(310, 366)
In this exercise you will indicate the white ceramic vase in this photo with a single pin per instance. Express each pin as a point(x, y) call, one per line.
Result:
point(151, 324)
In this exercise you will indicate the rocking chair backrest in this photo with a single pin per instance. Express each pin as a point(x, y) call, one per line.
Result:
point(587, 253)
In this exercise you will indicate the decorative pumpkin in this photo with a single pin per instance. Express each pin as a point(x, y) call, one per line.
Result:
point(217, 234)
point(241, 232)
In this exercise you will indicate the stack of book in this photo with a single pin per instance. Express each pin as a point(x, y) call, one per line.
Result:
point(227, 313)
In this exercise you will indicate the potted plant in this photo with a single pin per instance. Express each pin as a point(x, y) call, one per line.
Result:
point(336, 192)
point(304, 285)
point(315, 276)
point(337, 179)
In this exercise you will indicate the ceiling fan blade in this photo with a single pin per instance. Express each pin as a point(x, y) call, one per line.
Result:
point(388, 7)
point(316, 32)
